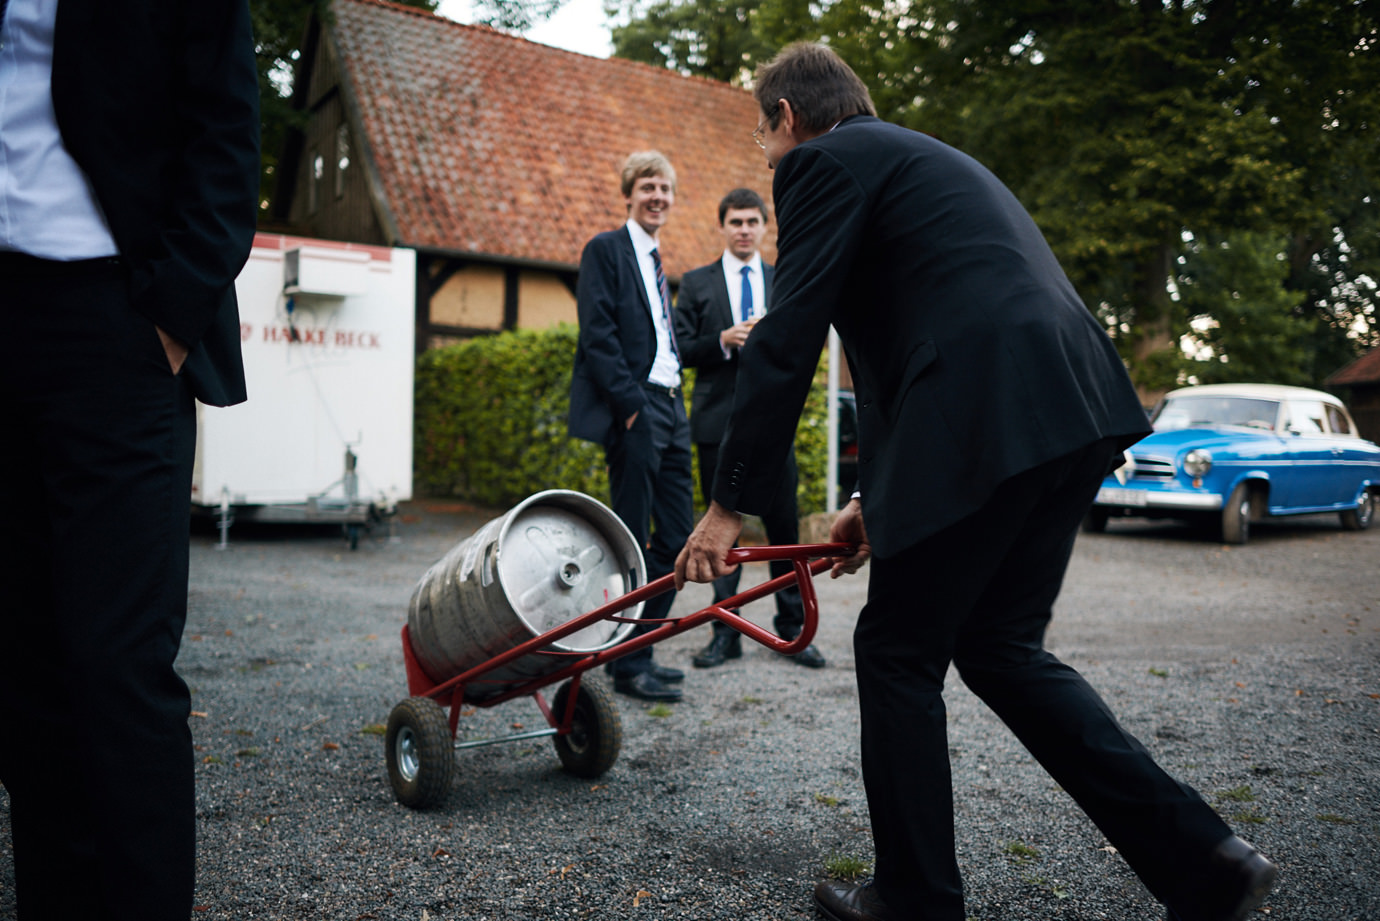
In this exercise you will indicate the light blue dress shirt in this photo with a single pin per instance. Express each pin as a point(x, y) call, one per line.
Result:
point(47, 207)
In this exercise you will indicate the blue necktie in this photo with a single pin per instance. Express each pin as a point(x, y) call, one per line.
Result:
point(747, 293)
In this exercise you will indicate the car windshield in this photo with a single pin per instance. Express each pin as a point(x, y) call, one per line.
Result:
point(1210, 412)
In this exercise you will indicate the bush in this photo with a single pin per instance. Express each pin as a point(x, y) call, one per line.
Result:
point(490, 420)
point(490, 424)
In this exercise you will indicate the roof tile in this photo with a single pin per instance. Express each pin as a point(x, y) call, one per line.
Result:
point(491, 144)
point(1364, 370)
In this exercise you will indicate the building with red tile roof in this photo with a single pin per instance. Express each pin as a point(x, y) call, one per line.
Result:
point(496, 159)
point(1362, 380)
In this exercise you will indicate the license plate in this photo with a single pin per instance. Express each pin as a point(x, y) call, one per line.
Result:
point(1110, 496)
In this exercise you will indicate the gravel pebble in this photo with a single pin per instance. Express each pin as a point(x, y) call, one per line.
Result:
point(1251, 672)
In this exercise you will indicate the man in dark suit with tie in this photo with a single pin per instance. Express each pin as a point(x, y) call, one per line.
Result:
point(130, 193)
point(625, 395)
point(991, 405)
point(716, 308)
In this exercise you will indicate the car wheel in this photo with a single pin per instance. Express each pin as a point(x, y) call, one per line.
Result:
point(1095, 522)
point(1236, 515)
point(1359, 518)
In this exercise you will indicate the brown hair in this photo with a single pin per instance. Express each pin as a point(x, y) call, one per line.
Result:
point(741, 198)
point(645, 163)
point(820, 87)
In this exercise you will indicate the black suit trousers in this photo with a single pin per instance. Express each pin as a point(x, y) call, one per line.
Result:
point(782, 524)
point(650, 481)
point(95, 750)
point(980, 594)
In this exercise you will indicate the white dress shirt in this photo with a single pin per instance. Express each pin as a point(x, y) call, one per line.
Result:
point(733, 276)
point(666, 368)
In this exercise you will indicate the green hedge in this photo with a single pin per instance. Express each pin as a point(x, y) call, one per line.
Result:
point(490, 424)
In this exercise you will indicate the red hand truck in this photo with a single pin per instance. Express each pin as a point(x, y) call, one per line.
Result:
point(581, 718)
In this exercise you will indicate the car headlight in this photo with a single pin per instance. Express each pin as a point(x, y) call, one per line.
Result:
point(1197, 462)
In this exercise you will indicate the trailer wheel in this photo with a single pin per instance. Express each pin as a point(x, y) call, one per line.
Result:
point(420, 752)
point(596, 733)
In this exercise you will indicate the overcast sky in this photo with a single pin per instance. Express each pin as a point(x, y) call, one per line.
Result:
point(579, 25)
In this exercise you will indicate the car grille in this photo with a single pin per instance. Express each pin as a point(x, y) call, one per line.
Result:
point(1153, 469)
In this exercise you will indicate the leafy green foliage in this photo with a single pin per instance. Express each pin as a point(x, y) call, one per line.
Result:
point(709, 39)
point(1128, 127)
point(1020, 852)
point(490, 420)
point(1252, 325)
point(491, 423)
point(514, 15)
point(846, 867)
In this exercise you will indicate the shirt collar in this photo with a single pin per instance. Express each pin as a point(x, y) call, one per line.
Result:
point(734, 266)
point(643, 242)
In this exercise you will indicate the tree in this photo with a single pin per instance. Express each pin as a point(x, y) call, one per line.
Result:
point(1136, 121)
point(513, 15)
point(1125, 124)
point(706, 39)
point(1246, 323)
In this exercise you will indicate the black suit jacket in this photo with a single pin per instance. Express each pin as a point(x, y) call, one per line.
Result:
point(973, 358)
point(703, 310)
point(157, 101)
point(617, 343)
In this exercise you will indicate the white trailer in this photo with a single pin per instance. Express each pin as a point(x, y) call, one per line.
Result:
point(327, 331)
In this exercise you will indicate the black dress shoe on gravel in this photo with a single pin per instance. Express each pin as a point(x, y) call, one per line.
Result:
point(810, 657)
point(665, 674)
point(644, 685)
point(851, 902)
point(722, 646)
point(1248, 878)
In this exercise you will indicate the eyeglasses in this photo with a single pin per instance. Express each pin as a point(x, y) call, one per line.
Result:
point(759, 133)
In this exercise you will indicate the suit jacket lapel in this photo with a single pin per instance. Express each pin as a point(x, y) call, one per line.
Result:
point(722, 302)
point(632, 265)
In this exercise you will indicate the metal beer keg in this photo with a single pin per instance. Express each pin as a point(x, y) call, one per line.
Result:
point(556, 555)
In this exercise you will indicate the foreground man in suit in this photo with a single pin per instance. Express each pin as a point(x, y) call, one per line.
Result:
point(991, 405)
point(129, 193)
point(716, 308)
point(625, 395)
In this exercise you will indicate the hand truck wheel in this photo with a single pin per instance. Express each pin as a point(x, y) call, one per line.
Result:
point(596, 733)
point(420, 752)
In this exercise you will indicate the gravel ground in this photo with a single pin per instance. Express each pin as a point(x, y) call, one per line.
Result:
point(1253, 673)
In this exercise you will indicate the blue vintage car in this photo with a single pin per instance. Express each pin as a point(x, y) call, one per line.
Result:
point(1235, 454)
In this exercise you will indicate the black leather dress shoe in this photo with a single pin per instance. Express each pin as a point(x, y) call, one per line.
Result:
point(665, 674)
point(1248, 877)
point(851, 902)
point(810, 657)
point(722, 646)
point(645, 686)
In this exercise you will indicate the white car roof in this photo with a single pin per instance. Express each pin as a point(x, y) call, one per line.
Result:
point(1259, 391)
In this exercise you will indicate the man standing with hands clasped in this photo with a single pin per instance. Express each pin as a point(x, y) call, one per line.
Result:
point(991, 405)
point(716, 308)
